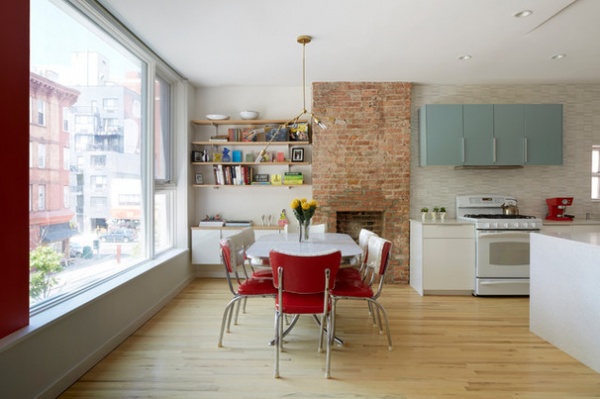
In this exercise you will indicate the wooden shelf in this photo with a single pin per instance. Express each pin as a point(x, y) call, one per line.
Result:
point(289, 186)
point(251, 122)
point(287, 163)
point(249, 143)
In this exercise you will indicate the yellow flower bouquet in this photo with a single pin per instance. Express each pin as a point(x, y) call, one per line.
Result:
point(304, 210)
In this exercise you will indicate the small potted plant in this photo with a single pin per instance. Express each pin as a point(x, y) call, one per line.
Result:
point(442, 213)
point(434, 213)
point(424, 212)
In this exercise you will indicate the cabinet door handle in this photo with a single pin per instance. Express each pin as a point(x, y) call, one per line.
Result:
point(494, 147)
point(463, 150)
point(526, 151)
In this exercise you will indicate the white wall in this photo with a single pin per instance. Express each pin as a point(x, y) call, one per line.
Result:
point(438, 185)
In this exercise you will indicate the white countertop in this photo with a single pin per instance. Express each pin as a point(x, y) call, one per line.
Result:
point(574, 222)
point(438, 222)
point(586, 238)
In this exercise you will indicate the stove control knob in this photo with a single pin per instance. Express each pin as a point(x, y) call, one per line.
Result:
point(505, 225)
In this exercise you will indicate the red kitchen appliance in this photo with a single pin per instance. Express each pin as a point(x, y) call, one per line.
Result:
point(557, 207)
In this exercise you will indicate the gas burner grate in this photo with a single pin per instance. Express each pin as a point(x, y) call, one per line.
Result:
point(496, 216)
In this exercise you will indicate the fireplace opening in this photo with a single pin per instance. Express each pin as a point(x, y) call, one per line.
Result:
point(352, 222)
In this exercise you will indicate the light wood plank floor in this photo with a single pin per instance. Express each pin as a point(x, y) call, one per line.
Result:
point(444, 347)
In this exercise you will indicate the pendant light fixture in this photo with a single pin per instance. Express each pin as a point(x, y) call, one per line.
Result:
point(303, 40)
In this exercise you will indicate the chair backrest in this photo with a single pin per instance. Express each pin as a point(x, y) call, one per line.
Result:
point(318, 228)
point(363, 242)
point(379, 253)
point(247, 236)
point(305, 274)
point(377, 263)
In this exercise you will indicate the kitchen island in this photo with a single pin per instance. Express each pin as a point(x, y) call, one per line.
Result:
point(565, 293)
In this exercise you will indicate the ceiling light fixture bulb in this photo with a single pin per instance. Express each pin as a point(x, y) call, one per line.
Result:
point(523, 14)
point(558, 56)
point(465, 57)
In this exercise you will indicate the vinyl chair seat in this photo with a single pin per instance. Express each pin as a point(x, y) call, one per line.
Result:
point(301, 303)
point(257, 286)
point(348, 273)
point(352, 288)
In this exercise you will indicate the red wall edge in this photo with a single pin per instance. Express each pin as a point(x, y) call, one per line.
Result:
point(14, 154)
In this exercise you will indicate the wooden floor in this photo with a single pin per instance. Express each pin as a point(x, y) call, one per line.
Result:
point(444, 347)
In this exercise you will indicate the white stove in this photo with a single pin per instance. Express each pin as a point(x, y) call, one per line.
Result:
point(486, 212)
point(501, 244)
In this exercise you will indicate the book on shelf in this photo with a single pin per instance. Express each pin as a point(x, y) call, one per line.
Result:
point(261, 183)
point(293, 182)
point(211, 223)
point(261, 178)
point(236, 223)
point(219, 138)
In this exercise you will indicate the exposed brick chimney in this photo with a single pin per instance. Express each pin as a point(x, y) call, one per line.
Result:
point(361, 163)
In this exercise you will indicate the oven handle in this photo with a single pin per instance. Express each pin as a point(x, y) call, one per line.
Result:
point(505, 281)
point(503, 233)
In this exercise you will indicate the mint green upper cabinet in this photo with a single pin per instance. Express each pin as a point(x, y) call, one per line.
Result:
point(544, 134)
point(509, 131)
point(440, 136)
point(490, 134)
point(478, 134)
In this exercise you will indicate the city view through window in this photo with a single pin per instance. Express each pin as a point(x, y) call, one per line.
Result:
point(86, 144)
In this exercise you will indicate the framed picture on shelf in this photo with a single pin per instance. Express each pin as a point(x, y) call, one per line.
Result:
point(199, 179)
point(197, 156)
point(297, 154)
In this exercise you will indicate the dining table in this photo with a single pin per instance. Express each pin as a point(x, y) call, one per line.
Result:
point(317, 243)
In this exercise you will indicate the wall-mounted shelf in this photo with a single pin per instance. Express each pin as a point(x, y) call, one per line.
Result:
point(249, 143)
point(217, 186)
point(243, 122)
point(286, 163)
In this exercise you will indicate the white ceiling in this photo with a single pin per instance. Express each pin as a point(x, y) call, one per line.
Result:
point(253, 42)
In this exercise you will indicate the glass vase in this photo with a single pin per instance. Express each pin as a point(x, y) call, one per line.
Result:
point(306, 230)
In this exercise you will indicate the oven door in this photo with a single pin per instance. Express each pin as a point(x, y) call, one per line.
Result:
point(502, 254)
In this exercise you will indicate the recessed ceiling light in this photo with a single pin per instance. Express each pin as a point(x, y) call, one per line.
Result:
point(558, 56)
point(465, 57)
point(523, 14)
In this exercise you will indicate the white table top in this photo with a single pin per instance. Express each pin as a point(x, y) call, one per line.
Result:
point(318, 242)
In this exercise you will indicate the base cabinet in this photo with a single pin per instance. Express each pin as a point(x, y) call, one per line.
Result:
point(205, 242)
point(442, 258)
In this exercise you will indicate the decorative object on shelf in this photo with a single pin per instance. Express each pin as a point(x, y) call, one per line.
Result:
point(297, 154)
point(304, 210)
point(226, 157)
point(442, 213)
point(434, 213)
point(249, 114)
point(214, 221)
point(283, 220)
point(236, 156)
point(299, 131)
point(276, 180)
point(196, 156)
point(424, 212)
point(217, 157)
point(205, 156)
point(217, 117)
point(199, 179)
point(303, 40)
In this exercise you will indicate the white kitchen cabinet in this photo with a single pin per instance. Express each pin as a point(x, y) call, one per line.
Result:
point(572, 228)
point(205, 241)
point(442, 258)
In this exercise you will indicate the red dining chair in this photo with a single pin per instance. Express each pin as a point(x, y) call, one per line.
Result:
point(351, 272)
point(303, 283)
point(258, 267)
point(379, 250)
point(240, 286)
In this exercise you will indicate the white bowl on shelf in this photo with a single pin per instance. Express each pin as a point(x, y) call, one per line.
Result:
point(217, 117)
point(249, 114)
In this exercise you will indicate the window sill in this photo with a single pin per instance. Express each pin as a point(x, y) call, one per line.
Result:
point(46, 318)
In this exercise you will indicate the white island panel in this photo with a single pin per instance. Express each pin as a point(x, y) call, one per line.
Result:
point(565, 293)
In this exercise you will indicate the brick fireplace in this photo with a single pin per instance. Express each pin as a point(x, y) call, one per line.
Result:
point(361, 163)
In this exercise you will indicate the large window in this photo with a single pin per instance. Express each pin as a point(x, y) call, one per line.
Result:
point(97, 168)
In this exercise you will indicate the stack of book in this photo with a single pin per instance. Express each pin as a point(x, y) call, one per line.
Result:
point(293, 178)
